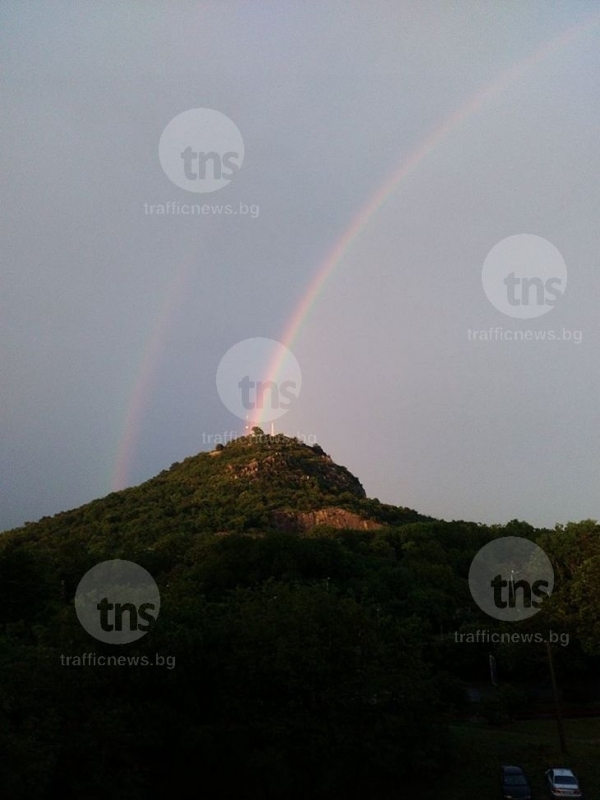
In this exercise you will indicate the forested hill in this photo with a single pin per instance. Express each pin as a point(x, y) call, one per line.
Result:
point(306, 645)
point(254, 484)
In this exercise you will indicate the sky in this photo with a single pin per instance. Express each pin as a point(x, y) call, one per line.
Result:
point(390, 151)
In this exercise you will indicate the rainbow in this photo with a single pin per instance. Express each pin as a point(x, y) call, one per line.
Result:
point(407, 166)
point(143, 380)
point(334, 258)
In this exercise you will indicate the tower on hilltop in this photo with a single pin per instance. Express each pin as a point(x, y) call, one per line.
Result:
point(249, 425)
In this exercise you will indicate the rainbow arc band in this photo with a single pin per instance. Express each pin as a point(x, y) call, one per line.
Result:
point(359, 223)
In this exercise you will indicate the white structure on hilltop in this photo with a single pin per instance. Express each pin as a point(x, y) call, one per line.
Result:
point(248, 425)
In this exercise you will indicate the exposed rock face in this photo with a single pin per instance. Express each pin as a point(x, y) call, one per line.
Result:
point(333, 517)
point(293, 468)
point(337, 518)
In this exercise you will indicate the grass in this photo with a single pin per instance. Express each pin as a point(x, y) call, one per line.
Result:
point(480, 750)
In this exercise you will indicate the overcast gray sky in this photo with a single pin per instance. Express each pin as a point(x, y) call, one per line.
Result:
point(330, 99)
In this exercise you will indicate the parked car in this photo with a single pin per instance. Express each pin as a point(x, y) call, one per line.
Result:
point(562, 783)
point(515, 785)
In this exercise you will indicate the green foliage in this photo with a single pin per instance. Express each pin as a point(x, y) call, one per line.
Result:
point(500, 707)
point(310, 661)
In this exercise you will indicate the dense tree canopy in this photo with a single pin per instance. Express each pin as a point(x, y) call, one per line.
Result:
point(307, 660)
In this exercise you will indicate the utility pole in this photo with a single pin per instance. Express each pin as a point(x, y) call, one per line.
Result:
point(559, 719)
point(493, 671)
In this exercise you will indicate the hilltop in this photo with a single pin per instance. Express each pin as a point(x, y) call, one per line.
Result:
point(255, 484)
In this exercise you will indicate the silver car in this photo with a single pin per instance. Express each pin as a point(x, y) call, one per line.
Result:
point(562, 783)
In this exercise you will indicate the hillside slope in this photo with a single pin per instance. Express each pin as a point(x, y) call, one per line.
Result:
point(255, 484)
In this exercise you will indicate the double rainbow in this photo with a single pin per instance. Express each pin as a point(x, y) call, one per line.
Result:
point(408, 165)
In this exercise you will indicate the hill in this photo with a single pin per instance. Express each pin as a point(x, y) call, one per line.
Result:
point(304, 647)
point(255, 484)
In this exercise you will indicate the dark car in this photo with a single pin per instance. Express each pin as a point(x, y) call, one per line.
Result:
point(515, 785)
